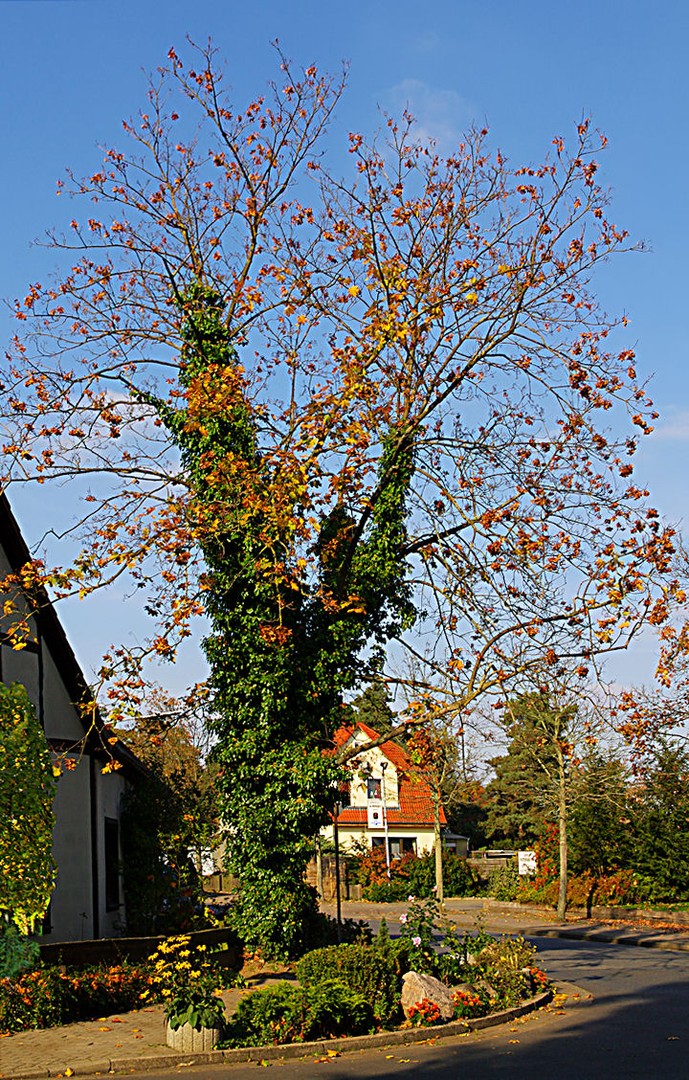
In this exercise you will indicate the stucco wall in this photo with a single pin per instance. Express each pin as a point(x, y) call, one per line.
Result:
point(62, 720)
point(354, 837)
point(370, 764)
point(71, 910)
point(109, 788)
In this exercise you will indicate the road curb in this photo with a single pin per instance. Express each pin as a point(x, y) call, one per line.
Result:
point(607, 937)
point(287, 1051)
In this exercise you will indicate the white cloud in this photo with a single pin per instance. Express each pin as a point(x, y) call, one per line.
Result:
point(442, 115)
point(675, 427)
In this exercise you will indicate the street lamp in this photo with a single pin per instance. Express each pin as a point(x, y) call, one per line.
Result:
point(338, 901)
point(383, 767)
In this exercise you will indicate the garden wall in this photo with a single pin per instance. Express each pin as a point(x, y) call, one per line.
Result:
point(136, 949)
point(349, 889)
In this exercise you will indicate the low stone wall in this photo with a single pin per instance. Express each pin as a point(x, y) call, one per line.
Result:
point(327, 886)
point(133, 949)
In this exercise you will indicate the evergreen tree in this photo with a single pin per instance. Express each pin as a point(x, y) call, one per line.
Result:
point(661, 822)
point(519, 800)
point(600, 815)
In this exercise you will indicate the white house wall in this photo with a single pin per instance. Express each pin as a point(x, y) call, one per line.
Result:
point(354, 837)
point(61, 718)
point(109, 790)
point(21, 666)
point(371, 764)
point(85, 797)
point(71, 909)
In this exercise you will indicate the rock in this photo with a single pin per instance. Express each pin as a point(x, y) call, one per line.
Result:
point(416, 987)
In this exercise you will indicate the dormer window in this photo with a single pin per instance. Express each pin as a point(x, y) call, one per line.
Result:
point(374, 789)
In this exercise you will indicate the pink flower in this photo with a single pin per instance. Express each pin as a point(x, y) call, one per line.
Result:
point(416, 941)
point(411, 899)
point(403, 918)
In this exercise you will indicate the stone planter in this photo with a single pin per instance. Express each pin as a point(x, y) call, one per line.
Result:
point(189, 1040)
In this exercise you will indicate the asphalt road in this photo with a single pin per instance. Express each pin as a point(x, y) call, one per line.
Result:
point(635, 1028)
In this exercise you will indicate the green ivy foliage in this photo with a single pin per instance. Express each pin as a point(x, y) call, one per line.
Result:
point(282, 651)
point(27, 790)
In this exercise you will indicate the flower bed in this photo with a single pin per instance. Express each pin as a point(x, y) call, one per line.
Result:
point(343, 990)
point(356, 989)
point(186, 978)
point(49, 996)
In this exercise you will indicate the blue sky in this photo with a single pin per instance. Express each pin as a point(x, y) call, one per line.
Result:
point(71, 70)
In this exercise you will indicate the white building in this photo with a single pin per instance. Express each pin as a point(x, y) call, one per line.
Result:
point(385, 792)
point(87, 901)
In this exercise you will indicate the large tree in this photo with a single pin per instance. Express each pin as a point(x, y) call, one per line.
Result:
point(324, 410)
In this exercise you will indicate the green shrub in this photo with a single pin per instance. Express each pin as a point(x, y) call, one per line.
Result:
point(394, 952)
point(372, 972)
point(414, 876)
point(503, 883)
point(288, 1013)
point(506, 965)
point(17, 951)
point(387, 892)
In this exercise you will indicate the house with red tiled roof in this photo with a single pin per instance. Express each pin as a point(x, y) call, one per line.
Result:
point(386, 797)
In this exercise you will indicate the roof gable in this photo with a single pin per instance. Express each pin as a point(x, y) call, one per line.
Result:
point(416, 802)
point(55, 639)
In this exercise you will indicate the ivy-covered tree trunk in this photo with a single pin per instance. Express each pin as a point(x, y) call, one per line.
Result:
point(282, 648)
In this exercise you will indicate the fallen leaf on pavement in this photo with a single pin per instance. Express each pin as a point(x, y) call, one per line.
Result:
point(104, 1028)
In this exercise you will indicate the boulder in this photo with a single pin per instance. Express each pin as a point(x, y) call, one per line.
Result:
point(416, 987)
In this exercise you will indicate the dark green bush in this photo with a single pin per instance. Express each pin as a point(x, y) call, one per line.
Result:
point(386, 892)
point(503, 883)
point(17, 951)
point(288, 1013)
point(365, 970)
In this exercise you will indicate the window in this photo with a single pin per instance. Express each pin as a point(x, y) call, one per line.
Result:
point(397, 845)
point(47, 925)
point(112, 864)
point(374, 789)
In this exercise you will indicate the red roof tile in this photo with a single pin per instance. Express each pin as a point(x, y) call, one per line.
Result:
point(415, 796)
